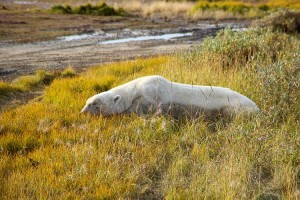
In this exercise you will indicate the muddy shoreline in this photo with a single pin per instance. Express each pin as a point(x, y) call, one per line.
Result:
point(57, 52)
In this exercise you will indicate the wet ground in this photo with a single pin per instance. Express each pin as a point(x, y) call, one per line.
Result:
point(80, 51)
point(86, 41)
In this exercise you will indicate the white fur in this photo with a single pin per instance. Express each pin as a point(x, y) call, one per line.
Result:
point(155, 94)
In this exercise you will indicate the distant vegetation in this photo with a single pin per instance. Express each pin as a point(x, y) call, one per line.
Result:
point(49, 151)
point(208, 9)
point(238, 4)
point(101, 9)
point(197, 9)
point(241, 9)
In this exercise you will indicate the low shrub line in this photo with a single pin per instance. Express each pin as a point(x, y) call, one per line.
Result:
point(88, 9)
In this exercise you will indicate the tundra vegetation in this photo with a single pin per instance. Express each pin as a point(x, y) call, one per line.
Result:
point(19, 21)
point(49, 150)
point(241, 9)
point(207, 9)
point(201, 9)
point(101, 9)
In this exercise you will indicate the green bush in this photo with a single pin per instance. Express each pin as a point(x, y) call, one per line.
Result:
point(264, 7)
point(102, 9)
point(88, 9)
point(59, 9)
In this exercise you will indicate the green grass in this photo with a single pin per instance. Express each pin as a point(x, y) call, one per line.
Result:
point(101, 9)
point(49, 150)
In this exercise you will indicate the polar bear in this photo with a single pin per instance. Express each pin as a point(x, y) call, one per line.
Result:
point(156, 94)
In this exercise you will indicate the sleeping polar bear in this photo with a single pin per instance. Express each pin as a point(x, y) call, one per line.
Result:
point(155, 94)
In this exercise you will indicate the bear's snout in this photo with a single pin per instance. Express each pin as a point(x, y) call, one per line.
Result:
point(84, 109)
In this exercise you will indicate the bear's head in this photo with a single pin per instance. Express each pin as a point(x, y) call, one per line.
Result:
point(104, 103)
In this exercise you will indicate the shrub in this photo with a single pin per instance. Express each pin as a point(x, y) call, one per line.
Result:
point(88, 9)
point(231, 49)
point(287, 21)
point(264, 7)
point(59, 9)
point(102, 9)
point(280, 81)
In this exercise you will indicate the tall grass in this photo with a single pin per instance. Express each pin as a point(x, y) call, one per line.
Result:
point(48, 150)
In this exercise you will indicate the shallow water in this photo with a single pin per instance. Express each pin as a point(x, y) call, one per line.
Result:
point(25, 2)
point(145, 38)
point(76, 37)
point(128, 35)
point(82, 50)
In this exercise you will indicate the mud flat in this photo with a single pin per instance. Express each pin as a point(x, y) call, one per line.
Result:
point(83, 41)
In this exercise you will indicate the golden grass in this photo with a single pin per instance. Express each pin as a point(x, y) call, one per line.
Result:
point(166, 9)
point(49, 150)
point(293, 4)
point(159, 8)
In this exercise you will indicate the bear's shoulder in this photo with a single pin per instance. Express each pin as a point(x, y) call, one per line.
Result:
point(152, 80)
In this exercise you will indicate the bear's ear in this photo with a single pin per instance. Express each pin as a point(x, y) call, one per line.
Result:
point(117, 99)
